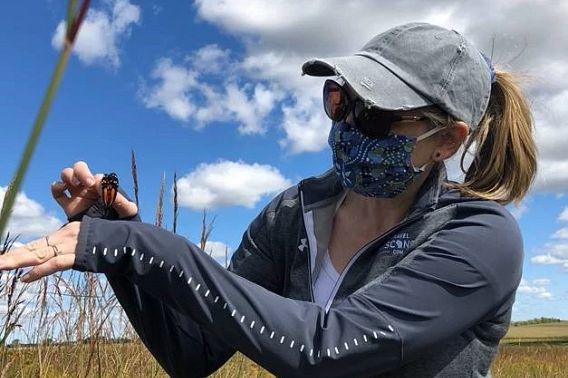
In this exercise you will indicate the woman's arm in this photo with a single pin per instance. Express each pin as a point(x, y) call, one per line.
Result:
point(180, 345)
point(441, 289)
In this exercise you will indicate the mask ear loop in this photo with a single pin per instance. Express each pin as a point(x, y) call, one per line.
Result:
point(429, 133)
point(424, 136)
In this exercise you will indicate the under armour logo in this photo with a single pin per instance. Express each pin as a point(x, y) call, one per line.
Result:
point(304, 244)
point(367, 83)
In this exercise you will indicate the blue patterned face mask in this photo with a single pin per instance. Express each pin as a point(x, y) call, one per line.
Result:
point(374, 167)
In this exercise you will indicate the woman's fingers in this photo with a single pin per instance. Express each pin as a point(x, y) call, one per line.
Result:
point(58, 189)
point(84, 188)
point(56, 264)
point(79, 182)
point(67, 175)
point(74, 204)
point(30, 254)
point(79, 176)
point(83, 174)
point(124, 207)
point(61, 243)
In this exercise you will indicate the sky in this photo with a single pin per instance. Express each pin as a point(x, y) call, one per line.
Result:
point(213, 91)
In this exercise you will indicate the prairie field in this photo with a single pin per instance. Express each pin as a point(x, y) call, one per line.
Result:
point(547, 332)
point(516, 359)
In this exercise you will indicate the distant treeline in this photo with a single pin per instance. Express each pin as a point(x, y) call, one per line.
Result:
point(536, 321)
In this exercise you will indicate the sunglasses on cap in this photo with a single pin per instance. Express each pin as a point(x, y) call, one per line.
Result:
point(371, 121)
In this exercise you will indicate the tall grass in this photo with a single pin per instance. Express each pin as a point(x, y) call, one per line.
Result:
point(75, 17)
point(134, 173)
point(175, 216)
point(11, 287)
point(160, 205)
point(76, 314)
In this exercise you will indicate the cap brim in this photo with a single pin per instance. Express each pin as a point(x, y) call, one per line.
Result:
point(370, 80)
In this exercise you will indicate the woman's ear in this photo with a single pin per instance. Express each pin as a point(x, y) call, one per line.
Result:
point(450, 140)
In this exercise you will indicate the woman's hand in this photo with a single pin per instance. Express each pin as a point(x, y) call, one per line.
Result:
point(47, 255)
point(84, 190)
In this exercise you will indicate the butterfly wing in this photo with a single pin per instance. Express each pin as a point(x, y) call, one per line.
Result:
point(109, 186)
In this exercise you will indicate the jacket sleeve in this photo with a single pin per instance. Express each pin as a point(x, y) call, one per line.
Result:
point(181, 346)
point(445, 286)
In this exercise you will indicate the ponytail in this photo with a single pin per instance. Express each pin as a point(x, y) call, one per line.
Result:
point(505, 162)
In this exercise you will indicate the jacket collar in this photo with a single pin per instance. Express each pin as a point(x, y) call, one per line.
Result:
point(325, 189)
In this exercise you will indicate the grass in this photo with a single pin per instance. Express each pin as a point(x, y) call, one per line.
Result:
point(75, 17)
point(526, 360)
point(133, 360)
point(522, 358)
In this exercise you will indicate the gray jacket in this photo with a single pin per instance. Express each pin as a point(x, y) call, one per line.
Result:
point(430, 298)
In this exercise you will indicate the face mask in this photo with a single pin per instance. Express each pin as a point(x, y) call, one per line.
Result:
point(374, 167)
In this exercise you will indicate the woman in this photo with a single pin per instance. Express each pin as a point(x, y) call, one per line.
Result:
point(378, 267)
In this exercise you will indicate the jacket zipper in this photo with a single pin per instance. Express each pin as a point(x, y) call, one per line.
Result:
point(309, 257)
point(361, 251)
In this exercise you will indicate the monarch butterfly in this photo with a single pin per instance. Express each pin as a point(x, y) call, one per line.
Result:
point(109, 189)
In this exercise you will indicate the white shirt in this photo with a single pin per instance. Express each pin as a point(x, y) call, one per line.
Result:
point(325, 281)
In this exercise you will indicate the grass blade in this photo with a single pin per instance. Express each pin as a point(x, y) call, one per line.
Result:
point(175, 202)
point(10, 196)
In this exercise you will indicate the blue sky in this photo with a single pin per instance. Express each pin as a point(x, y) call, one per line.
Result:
point(212, 90)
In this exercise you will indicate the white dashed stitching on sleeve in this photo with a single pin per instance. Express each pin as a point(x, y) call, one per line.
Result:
point(233, 312)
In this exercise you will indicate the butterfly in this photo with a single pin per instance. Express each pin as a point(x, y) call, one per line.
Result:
point(109, 189)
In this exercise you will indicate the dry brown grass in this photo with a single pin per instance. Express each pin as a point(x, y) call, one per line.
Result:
point(133, 360)
point(531, 361)
point(112, 360)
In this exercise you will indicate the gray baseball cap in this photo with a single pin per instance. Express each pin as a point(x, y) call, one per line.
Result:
point(412, 66)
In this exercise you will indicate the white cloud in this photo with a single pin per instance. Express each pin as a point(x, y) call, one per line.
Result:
point(536, 288)
point(218, 251)
point(541, 282)
point(317, 26)
point(180, 91)
point(172, 94)
point(561, 234)
point(564, 215)
point(518, 211)
point(553, 254)
point(551, 133)
point(102, 32)
point(280, 35)
point(306, 128)
point(556, 251)
point(250, 110)
point(29, 219)
point(210, 58)
point(228, 183)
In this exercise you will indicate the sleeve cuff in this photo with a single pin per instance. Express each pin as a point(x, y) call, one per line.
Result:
point(81, 253)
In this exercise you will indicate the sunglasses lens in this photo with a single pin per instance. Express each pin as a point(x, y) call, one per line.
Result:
point(372, 122)
point(335, 101)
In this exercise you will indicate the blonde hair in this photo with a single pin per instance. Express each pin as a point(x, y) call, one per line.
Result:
point(505, 159)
